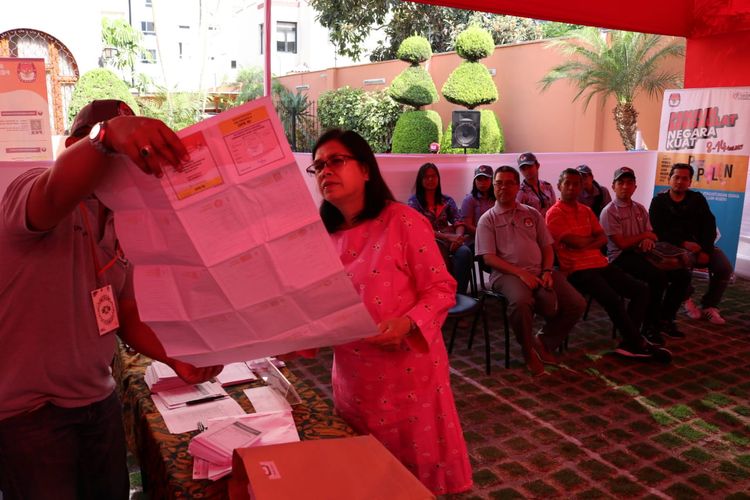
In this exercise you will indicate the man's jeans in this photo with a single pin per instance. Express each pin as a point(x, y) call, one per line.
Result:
point(65, 453)
point(608, 285)
point(667, 289)
point(719, 272)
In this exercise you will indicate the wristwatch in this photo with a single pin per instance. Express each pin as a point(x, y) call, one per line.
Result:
point(96, 138)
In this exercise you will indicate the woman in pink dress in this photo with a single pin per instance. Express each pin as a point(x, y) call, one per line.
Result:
point(394, 385)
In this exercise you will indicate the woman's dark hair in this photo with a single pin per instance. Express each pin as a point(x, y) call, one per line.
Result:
point(419, 188)
point(475, 192)
point(377, 193)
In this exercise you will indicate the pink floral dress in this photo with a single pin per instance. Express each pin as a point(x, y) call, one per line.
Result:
point(402, 396)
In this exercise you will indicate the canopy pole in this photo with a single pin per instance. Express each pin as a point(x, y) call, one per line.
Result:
point(267, 36)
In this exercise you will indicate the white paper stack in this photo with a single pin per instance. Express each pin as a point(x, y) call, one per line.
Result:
point(235, 373)
point(212, 449)
point(187, 418)
point(160, 377)
point(189, 395)
point(217, 443)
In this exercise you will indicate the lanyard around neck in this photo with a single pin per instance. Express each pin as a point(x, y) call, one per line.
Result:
point(92, 244)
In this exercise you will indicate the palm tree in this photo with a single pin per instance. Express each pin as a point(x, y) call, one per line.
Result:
point(294, 112)
point(127, 43)
point(623, 66)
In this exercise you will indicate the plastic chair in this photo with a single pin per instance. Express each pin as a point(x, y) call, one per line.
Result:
point(469, 306)
point(484, 293)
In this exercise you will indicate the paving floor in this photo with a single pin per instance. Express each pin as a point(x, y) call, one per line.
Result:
point(601, 426)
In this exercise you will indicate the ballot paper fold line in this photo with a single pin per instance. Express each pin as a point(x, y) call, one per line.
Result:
point(191, 237)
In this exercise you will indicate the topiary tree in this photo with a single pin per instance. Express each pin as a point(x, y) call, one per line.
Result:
point(99, 83)
point(415, 130)
point(470, 85)
point(491, 138)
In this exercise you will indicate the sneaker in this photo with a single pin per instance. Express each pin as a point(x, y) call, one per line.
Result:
point(653, 336)
point(633, 351)
point(692, 310)
point(669, 328)
point(712, 315)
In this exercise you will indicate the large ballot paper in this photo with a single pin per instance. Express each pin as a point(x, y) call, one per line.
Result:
point(232, 261)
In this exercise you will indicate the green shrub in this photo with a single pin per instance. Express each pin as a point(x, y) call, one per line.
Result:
point(470, 85)
point(99, 83)
point(415, 131)
point(340, 108)
point(373, 115)
point(414, 50)
point(414, 87)
point(491, 138)
point(178, 110)
point(380, 115)
point(474, 43)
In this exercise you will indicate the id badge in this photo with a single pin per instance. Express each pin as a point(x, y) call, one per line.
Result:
point(105, 309)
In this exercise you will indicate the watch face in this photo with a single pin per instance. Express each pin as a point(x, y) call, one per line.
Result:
point(95, 131)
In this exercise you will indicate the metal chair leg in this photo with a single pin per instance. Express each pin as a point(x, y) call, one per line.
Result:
point(453, 336)
point(507, 334)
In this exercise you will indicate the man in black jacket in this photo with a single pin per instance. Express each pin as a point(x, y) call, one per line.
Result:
point(682, 217)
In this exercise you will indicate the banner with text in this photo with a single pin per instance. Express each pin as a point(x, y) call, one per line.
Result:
point(708, 128)
point(24, 113)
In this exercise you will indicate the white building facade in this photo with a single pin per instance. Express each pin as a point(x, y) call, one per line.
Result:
point(193, 45)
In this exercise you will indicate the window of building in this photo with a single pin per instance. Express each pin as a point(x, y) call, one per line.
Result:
point(262, 44)
point(148, 3)
point(147, 27)
point(149, 56)
point(286, 37)
point(179, 47)
point(233, 64)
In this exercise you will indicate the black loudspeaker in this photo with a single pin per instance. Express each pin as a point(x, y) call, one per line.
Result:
point(465, 129)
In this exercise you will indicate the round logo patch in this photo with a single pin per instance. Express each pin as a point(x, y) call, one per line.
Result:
point(106, 309)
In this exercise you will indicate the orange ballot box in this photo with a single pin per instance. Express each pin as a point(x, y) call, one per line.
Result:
point(352, 468)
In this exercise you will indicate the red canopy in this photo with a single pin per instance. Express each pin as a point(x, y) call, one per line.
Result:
point(717, 31)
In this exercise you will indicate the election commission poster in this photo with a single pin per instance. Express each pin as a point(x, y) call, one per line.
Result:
point(708, 128)
point(24, 113)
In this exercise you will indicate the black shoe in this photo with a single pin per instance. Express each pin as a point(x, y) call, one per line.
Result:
point(646, 352)
point(669, 328)
point(630, 350)
point(653, 336)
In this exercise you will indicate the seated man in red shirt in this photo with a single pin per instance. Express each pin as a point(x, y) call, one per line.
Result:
point(578, 241)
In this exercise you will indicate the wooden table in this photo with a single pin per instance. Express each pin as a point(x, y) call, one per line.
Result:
point(166, 465)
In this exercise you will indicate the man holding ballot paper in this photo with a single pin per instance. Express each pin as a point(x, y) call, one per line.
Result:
point(66, 290)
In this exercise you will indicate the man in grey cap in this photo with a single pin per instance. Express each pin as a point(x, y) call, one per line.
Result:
point(592, 195)
point(66, 290)
point(629, 238)
point(534, 192)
